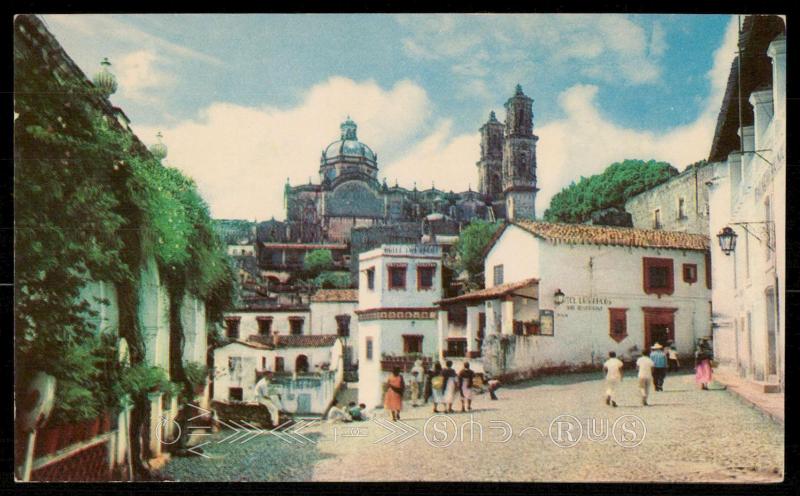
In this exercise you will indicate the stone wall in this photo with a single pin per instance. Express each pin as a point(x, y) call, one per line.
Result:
point(690, 185)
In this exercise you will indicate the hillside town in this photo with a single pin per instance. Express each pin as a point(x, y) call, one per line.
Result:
point(160, 334)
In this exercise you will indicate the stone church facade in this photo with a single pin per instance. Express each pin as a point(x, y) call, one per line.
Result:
point(350, 194)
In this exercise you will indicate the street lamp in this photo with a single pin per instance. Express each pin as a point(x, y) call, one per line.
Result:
point(727, 240)
point(558, 297)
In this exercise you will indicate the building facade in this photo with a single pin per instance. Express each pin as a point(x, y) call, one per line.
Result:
point(582, 291)
point(397, 313)
point(680, 204)
point(748, 209)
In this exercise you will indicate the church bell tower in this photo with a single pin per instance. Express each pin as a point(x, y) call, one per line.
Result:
point(519, 158)
point(490, 166)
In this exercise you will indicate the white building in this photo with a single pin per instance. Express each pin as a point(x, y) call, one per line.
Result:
point(399, 286)
point(623, 290)
point(334, 309)
point(305, 369)
point(748, 199)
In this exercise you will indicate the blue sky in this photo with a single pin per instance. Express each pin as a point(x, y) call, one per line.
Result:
point(245, 101)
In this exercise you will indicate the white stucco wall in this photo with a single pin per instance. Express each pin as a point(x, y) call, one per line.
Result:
point(323, 320)
point(518, 254)
point(383, 297)
point(610, 273)
point(248, 325)
point(154, 315)
point(193, 317)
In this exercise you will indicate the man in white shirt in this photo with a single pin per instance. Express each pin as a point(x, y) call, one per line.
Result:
point(613, 370)
point(645, 366)
point(268, 396)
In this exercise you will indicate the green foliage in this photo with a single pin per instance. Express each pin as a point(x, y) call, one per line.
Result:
point(470, 246)
point(91, 204)
point(619, 182)
point(333, 280)
point(316, 262)
point(196, 373)
point(142, 378)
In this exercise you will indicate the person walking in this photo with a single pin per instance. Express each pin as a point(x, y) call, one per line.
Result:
point(613, 370)
point(450, 386)
point(427, 390)
point(465, 379)
point(413, 386)
point(419, 378)
point(437, 387)
point(660, 369)
point(268, 396)
point(672, 357)
point(645, 366)
point(703, 374)
point(393, 401)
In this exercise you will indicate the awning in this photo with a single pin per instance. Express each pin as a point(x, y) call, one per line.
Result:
point(494, 292)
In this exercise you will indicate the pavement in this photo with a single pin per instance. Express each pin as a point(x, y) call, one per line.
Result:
point(771, 404)
point(547, 429)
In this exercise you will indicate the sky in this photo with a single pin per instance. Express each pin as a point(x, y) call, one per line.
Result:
point(246, 102)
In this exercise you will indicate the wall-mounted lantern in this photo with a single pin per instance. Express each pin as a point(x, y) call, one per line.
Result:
point(727, 240)
point(558, 297)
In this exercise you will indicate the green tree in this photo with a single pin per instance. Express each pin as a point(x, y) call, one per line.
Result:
point(333, 280)
point(316, 262)
point(619, 182)
point(470, 246)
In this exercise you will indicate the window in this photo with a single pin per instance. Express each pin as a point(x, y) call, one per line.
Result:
point(278, 364)
point(519, 328)
point(681, 209)
point(232, 327)
point(234, 364)
point(708, 270)
point(690, 273)
point(618, 323)
point(295, 326)
point(264, 325)
point(369, 348)
point(425, 276)
point(498, 275)
point(412, 343)
point(397, 277)
point(235, 394)
point(456, 347)
point(343, 325)
point(658, 276)
point(657, 218)
point(481, 323)
point(371, 278)
point(263, 363)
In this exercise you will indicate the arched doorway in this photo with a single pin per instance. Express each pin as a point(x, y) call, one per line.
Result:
point(301, 364)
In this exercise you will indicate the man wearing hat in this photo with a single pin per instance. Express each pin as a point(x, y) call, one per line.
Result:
point(660, 366)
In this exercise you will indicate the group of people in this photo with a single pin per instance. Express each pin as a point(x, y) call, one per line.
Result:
point(652, 369)
point(438, 386)
point(353, 412)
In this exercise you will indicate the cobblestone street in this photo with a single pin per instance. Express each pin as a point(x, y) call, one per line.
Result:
point(691, 435)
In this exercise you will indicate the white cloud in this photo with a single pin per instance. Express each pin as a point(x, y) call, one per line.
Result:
point(140, 76)
point(607, 47)
point(103, 28)
point(241, 156)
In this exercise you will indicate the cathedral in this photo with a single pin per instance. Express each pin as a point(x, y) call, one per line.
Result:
point(350, 194)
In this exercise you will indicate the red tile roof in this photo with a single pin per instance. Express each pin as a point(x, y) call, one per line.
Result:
point(491, 293)
point(294, 341)
point(616, 236)
point(335, 295)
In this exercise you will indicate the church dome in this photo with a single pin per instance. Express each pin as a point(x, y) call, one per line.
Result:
point(348, 148)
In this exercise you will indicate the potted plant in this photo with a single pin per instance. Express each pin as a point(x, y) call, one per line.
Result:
point(196, 376)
